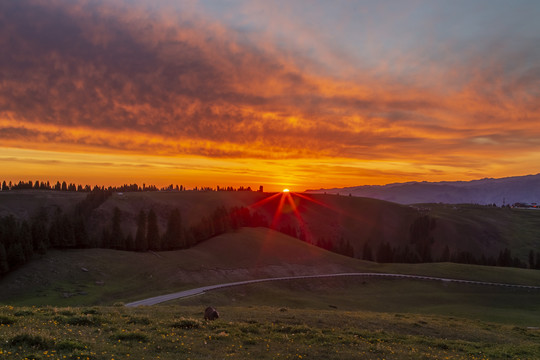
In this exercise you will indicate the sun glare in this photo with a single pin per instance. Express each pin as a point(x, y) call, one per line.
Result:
point(285, 190)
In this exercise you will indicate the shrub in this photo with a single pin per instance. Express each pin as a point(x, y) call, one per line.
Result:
point(69, 345)
point(186, 324)
point(36, 342)
point(23, 313)
point(6, 320)
point(139, 321)
point(90, 312)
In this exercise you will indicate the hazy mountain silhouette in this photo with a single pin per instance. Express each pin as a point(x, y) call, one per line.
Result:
point(485, 191)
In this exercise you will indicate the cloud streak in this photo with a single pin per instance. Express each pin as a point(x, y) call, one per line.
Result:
point(111, 77)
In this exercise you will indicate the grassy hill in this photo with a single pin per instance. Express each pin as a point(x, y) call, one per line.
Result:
point(24, 204)
point(485, 229)
point(101, 277)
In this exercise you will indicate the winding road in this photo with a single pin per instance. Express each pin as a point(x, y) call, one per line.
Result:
point(201, 290)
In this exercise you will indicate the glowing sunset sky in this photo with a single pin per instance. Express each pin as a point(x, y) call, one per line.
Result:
point(299, 94)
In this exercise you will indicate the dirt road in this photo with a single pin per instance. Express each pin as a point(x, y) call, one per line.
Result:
point(201, 290)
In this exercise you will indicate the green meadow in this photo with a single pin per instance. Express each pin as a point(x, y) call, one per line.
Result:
point(69, 305)
point(253, 332)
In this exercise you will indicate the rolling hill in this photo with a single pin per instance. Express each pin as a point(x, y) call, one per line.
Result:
point(98, 276)
point(510, 190)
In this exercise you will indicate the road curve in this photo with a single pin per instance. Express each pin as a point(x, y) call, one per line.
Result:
point(201, 290)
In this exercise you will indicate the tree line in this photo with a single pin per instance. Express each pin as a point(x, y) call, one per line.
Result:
point(64, 186)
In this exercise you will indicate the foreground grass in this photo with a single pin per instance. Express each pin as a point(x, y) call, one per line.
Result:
point(178, 332)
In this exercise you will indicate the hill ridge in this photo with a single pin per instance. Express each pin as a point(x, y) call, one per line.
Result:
point(499, 191)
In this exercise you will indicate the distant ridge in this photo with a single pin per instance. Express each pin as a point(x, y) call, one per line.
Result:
point(509, 190)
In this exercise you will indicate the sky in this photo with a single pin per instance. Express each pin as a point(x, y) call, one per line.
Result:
point(297, 94)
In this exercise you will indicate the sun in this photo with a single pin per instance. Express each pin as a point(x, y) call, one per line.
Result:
point(285, 190)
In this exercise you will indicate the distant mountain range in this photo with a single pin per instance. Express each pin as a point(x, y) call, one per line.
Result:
point(510, 190)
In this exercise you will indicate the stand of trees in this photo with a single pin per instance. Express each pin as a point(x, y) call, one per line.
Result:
point(419, 250)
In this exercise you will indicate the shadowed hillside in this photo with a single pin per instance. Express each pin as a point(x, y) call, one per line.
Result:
point(334, 222)
point(364, 228)
point(96, 276)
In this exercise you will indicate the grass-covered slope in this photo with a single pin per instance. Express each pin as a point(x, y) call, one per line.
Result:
point(486, 230)
point(23, 204)
point(97, 276)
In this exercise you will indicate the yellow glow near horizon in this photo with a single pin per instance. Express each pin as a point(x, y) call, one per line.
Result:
point(285, 190)
point(196, 171)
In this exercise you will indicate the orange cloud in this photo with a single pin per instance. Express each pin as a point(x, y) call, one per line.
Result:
point(110, 78)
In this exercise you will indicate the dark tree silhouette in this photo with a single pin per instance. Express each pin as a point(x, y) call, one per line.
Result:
point(174, 235)
point(25, 238)
point(140, 237)
point(152, 232)
point(367, 252)
point(129, 244)
point(445, 257)
point(4, 265)
point(117, 238)
point(385, 253)
point(40, 238)
point(505, 258)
